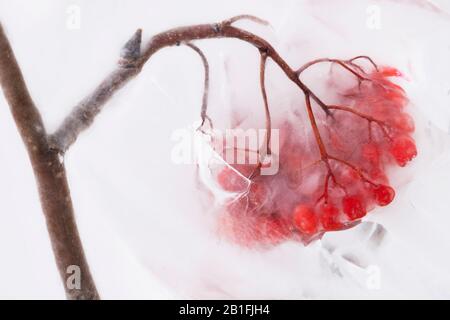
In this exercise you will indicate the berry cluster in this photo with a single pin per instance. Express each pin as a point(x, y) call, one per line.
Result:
point(315, 192)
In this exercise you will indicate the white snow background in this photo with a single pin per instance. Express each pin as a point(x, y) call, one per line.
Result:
point(144, 230)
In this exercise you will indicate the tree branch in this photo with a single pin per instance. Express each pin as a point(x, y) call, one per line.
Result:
point(82, 116)
point(50, 175)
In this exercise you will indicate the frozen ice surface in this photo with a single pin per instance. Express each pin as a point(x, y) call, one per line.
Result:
point(141, 219)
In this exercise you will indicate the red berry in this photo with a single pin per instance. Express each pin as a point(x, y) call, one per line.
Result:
point(353, 207)
point(305, 220)
point(232, 180)
point(371, 153)
point(390, 93)
point(390, 72)
point(298, 201)
point(275, 230)
point(238, 207)
point(330, 218)
point(383, 195)
point(403, 122)
point(259, 230)
point(403, 149)
point(257, 195)
point(377, 174)
point(293, 165)
point(348, 176)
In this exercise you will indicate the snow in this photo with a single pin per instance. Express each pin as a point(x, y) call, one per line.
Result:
point(142, 221)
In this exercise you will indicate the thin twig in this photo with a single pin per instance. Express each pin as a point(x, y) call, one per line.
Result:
point(367, 117)
point(317, 136)
point(339, 62)
point(203, 112)
point(354, 168)
point(262, 83)
point(366, 58)
point(247, 17)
